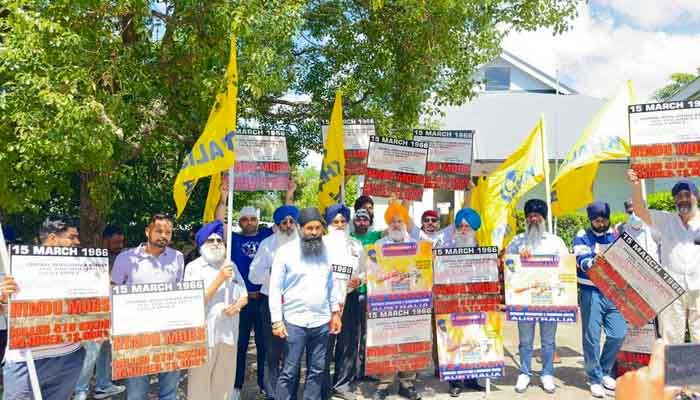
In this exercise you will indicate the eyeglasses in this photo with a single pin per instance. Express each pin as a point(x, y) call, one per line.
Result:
point(214, 241)
point(433, 220)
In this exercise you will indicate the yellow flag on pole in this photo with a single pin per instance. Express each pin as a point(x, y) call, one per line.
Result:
point(213, 152)
point(330, 190)
point(213, 198)
point(496, 196)
point(605, 138)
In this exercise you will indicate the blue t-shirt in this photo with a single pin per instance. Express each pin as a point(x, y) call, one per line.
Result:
point(244, 249)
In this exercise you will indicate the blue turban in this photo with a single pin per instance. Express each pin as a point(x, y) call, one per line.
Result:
point(207, 230)
point(684, 184)
point(469, 215)
point(336, 209)
point(598, 209)
point(285, 211)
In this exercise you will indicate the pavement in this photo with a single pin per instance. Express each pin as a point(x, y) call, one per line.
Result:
point(569, 375)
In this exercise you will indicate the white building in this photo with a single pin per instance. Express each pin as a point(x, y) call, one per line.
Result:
point(512, 98)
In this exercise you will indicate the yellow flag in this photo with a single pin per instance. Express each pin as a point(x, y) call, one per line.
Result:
point(333, 169)
point(496, 196)
point(213, 197)
point(605, 138)
point(213, 151)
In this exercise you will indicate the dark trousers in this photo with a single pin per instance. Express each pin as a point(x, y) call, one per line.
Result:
point(274, 350)
point(313, 341)
point(343, 349)
point(362, 352)
point(251, 318)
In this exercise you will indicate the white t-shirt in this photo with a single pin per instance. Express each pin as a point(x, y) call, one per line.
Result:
point(344, 255)
point(680, 256)
point(220, 327)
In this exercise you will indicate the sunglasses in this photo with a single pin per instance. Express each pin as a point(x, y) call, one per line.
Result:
point(430, 220)
point(214, 241)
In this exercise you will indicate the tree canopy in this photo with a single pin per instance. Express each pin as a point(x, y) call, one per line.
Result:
point(101, 100)
point(676, 82)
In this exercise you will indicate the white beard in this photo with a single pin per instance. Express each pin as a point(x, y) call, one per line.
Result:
point(462, 240)
point(213, 254)
point(534, 234)
point(399, 235)
point(284, 238)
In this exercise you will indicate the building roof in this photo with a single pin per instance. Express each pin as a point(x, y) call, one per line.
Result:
point(536, 73)
point(502, 120)
point(690, 91)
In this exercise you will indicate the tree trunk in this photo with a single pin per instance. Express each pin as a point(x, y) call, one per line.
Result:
point(92, 210)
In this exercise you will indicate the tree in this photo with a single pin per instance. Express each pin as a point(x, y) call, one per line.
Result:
point(678, 81)
point(100, 100)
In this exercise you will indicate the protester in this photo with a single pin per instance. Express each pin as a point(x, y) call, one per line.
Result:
point(461, 234)
point(345, 256)
point(191, 236)
point(396, 217)
point(362, 223)
point(629, 210)
point(678, 234)
point(244, 247)
point(285, 218)
point(310, 312)
point(639, 231)
point(537, 241)
point(224, 297)
point(98, 355)
point(151, 262)
point(57, 367)
point(597, 310)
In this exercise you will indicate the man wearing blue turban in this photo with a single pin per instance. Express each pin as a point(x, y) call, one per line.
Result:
point(285, 218)
point(536, 241)
point(346, 258)
point(224, 297)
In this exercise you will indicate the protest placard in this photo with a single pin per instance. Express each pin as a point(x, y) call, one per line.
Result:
point(261, 161)
point(630, 277)
point(665, 139)
point(541, 288)
point(395, 167)
point(356, 134)
point(449, 158)
point(64, 296)
point(470, 345)
point(158, 327)
point(399, 307)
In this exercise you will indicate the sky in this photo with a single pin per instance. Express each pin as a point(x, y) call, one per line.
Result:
point(611, 41)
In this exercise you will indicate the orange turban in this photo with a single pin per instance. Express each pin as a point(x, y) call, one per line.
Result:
point(395, 209)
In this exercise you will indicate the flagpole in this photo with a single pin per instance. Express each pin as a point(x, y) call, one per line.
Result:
point(229, 215)
point(547, 189)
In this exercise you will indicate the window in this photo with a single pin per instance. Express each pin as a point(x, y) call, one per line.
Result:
point(497, 78)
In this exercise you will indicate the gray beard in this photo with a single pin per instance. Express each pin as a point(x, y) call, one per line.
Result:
point(465, 240)
point(685, 210)
point(534, 234)
point(284, 238)
point(398, 235)
point(311, 247)
point(214, 255)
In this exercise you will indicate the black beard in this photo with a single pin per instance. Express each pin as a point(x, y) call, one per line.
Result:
point(311, 246)
point(600, 230)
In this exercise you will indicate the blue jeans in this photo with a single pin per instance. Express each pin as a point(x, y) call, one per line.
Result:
point(596, 312)
point(315, 342)
point(97, 355)
point(526, 333)
point(57, 377)
point(137, 388)
point(251, 317)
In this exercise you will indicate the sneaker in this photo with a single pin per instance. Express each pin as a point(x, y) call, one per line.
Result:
point(548, 384)
point(236, 394)
point(522, 384)
point(80, 396)
point(597, 390)
point(344, 395)
point(409, 393)
point(609, 383)
point(113, 390)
